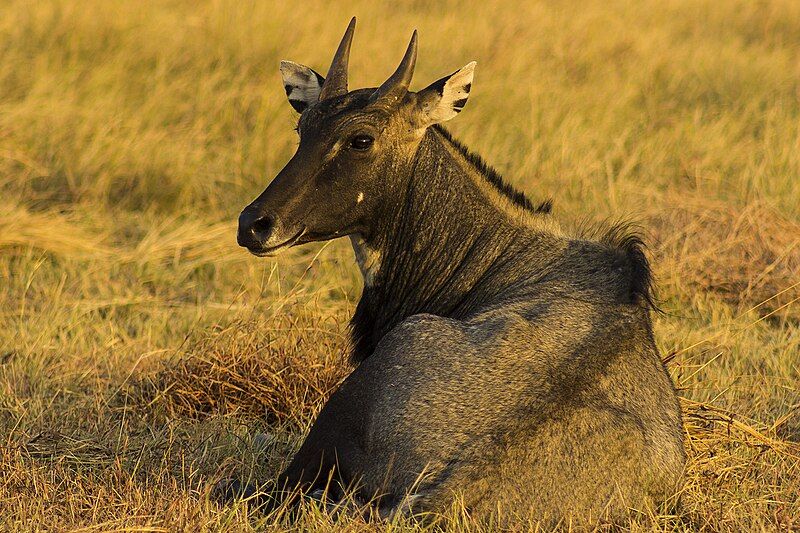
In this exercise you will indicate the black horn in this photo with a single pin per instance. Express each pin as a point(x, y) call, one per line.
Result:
point(336, 80)
point(397, 85)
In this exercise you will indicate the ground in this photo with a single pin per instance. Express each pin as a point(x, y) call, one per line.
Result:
point(141, 351)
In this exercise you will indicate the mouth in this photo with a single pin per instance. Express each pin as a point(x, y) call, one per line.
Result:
point(272, 250)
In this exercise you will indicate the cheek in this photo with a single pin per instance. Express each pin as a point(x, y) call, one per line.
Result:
point(351, 206)
point(342, 207)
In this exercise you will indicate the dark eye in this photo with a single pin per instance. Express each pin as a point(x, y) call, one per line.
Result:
point(361, 142)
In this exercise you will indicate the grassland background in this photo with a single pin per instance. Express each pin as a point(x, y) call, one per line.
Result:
point(141, 350)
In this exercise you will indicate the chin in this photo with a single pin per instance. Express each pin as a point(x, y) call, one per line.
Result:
point(268, 252)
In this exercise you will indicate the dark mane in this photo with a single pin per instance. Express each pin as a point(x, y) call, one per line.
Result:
point(625, 239)
point(494, 177)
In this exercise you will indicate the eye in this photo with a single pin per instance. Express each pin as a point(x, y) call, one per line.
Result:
point(361, 142)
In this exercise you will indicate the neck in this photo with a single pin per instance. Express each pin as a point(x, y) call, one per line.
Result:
point(447, 247)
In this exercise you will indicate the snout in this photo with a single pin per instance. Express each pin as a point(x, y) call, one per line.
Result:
point(255, 228)
point(263, 233)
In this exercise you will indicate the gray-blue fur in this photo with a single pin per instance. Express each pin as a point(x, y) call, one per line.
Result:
point(500, 361)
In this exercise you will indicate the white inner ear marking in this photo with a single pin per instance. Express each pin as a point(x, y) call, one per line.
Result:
point(360, 198)
point(453, 96)
point(456, 87)
point(301, 82)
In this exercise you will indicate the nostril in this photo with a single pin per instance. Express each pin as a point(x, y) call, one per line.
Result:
point(262, 226)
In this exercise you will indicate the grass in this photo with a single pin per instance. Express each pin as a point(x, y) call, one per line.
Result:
point(142, 352)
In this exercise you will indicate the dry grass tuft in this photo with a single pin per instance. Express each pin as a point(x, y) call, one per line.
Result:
point(740, 475)
point(749, 257)
point(280, 374)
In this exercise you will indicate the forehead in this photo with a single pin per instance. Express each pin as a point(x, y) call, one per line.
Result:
point(342, 108)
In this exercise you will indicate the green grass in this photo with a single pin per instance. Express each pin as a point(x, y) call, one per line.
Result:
point(141, 350)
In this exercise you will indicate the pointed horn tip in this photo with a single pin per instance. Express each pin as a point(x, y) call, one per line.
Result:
point(351, 28)
point(412, 46)
point(399, 81)
point(336, 79)
point(347, 38)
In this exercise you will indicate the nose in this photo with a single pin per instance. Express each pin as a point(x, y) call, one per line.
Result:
point(255, 228)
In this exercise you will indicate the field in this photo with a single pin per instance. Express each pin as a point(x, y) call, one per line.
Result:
point(142, 353)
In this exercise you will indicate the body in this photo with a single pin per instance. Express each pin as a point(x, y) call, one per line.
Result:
point(503, 363)
point(499, 361)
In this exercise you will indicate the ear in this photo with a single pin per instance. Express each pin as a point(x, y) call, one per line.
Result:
point(445, 98)
point(302, 85)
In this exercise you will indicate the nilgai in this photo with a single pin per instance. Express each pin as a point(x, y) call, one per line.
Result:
point(499, 360)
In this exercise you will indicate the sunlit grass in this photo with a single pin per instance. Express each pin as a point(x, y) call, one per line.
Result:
point(141, 351)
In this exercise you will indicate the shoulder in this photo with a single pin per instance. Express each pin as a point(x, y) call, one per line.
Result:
point(610, 262)
point(423, 327)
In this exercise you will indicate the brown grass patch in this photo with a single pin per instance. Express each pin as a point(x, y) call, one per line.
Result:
point(748, 257)
point(281, 373)
point(738, 469)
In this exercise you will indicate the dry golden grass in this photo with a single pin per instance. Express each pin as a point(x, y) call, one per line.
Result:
point(142, 352)
point(281, 375)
